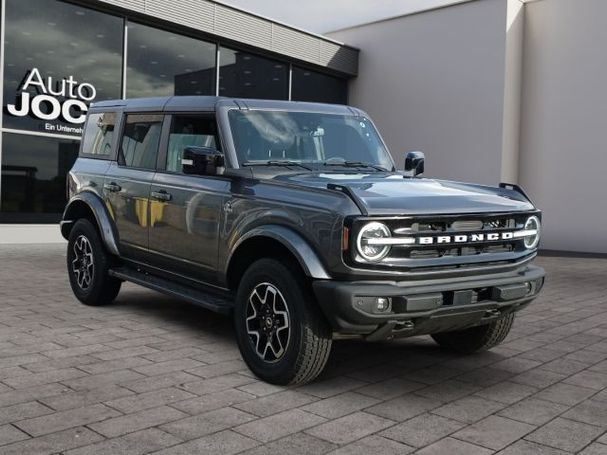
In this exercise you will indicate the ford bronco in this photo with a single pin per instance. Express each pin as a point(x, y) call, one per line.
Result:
point(293, 219)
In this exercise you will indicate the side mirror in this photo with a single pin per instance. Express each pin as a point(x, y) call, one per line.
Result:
point(201, 160)
point(414, 163)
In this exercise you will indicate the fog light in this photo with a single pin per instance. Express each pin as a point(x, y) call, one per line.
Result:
point(529, 286)
point(383, 304)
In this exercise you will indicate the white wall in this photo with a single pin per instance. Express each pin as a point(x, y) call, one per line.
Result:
point(563, 160)
point(30, 233)
point(435, 82)
point(500, 90)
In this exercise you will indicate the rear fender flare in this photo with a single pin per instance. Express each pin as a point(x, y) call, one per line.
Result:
point(105, 223)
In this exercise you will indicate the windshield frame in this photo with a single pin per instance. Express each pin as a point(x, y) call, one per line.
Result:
point(348, 111)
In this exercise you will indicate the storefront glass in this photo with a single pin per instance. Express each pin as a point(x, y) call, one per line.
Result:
point(250, 76)
point(162, 63)
point(58, 58)
point(33, 177)
point(308, 85)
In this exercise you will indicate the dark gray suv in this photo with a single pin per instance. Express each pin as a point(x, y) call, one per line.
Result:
point(292, 218)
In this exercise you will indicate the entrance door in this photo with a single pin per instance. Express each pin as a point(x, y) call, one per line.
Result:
point(127, 183)
point(186, 209)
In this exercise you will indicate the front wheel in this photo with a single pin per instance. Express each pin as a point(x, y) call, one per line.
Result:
point(476, 339)
point(88, 265)
point(281, 333)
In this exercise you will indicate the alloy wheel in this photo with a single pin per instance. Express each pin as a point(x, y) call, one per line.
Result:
point(83, 266)
point(268, 322)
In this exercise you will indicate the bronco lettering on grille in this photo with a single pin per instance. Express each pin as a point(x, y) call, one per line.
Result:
point(466, 238)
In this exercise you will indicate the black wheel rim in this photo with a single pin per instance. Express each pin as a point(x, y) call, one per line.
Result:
point(83, 266)
point(268, 322)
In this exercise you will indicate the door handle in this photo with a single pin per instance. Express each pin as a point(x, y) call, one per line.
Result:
point(112, 187)
point(161, 195)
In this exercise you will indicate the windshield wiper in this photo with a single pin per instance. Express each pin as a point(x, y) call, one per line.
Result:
point(285, 163)
point(354, 164)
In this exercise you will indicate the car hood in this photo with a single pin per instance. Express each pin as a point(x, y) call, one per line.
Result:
point(395, 194)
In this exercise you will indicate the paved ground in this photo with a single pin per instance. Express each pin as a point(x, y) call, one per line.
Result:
point(150, 374)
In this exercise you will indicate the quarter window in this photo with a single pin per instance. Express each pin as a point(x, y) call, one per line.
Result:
point(98, 135)
point(186, 131)
point(140, 140)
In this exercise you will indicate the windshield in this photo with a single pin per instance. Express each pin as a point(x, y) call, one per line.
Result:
point(273, 137)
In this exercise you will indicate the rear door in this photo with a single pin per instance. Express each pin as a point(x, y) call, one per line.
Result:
point(185, 209)
point(127, 183)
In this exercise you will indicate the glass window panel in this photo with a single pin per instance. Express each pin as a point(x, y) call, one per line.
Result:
point(189, 130)
point(306, 137)
point(98, 135)
point(247, 75)
point(70, 46)
point(307, 85)
point(140, 140)
point(162, 63)
point(33, 177)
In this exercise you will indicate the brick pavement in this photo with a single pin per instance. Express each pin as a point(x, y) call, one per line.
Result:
point(154, 375)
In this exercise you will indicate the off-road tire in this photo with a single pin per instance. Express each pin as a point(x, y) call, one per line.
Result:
point(101, 289)
point(310, 337)
point(476, 339)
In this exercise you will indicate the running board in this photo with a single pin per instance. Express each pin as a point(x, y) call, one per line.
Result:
point(208, 300)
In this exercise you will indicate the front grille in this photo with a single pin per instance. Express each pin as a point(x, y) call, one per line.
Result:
point(447, 242)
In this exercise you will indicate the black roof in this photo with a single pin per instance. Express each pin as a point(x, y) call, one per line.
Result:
point(209, 103)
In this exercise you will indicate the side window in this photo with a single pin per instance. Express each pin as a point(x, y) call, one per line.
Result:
point(140, 140)
point(98, 135)
point(189, 130)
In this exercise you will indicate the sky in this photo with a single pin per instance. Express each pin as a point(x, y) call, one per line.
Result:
point(321, 16)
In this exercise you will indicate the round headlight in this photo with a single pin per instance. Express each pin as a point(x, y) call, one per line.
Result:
point(369, 242)
point(532, 226)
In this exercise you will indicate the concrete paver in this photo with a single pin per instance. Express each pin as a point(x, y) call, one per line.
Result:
point(150, 374)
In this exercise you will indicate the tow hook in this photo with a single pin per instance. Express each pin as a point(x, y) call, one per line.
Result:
point(493, 313)
point(402, 326)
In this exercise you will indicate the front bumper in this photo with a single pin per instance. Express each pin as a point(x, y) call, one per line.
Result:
point(423, 307)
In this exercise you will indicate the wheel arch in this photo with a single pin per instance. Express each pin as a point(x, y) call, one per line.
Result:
point(272, 241)
point(90, 206)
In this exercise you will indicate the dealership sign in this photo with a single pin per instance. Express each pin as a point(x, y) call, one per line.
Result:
point(63, 100)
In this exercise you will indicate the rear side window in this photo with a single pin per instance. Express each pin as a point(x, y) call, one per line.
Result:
point(98, 135)
point(139, 147)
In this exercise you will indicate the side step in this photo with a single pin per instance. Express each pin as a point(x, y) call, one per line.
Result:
point(207, 299)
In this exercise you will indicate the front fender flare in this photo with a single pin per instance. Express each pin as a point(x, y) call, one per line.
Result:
point(105, 222)
point(295, 243)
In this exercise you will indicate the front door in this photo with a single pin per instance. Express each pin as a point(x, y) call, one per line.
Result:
point(186, 210)
point(127, 183)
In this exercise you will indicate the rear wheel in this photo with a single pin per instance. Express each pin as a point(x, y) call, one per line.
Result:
point(281, 333)
point(88, 264)
point(476, 339)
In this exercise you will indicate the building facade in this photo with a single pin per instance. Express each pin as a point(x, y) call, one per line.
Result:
point(498, 90)
point(56, 57)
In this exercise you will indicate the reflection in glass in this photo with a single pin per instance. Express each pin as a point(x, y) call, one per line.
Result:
point(307, 85)
point(250, 76)
point(140, 140)
point(60, 40)
point(33, 177)
point(98, 134)
point(162, 63)
point(306, 137)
